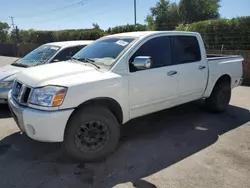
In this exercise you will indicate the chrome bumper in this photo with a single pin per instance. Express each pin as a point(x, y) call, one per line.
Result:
point(4, 96)
point(17, 112)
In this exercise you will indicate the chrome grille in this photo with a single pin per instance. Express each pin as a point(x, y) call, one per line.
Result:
point(21, 92)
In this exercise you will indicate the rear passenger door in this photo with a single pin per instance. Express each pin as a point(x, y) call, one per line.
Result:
point(153, 89)
point(192, 69)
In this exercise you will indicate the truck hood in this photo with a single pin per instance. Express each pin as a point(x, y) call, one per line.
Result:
point(9, 71)
point(64, 73)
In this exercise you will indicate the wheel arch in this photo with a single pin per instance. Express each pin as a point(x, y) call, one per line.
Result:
point(106, 102)
point(224, 78)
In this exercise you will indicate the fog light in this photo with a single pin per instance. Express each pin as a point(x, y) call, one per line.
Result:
point(31, 129)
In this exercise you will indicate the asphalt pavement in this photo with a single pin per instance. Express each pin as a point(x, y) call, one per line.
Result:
point(182, 147)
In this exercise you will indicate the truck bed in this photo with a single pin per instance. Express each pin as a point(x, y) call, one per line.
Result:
point(212, 57)
point(223, 65)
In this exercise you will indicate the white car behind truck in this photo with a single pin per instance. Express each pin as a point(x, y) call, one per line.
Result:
point(83, 102)
point(47, 53)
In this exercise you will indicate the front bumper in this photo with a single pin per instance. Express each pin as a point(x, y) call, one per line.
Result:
point(45, 126)
point(4, 96)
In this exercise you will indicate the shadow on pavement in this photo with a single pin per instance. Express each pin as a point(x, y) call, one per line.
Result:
point(149, 144)
point(4, 111)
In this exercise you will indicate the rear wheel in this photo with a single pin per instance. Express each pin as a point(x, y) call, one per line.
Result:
point(220, 97)
point(92, 134)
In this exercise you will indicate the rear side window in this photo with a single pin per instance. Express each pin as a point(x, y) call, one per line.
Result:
point(80, 47)
point(185, 49)
point(158, 49)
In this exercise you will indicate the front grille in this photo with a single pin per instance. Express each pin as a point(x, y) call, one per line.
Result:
point(21, 92)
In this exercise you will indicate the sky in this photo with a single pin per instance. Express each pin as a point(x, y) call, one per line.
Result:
point(71, 14)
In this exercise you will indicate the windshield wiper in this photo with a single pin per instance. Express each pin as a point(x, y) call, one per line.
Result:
point(20, 65)
point(87, 61)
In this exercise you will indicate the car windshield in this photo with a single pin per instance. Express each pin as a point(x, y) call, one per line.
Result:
point(105, 51)
point(38, 56)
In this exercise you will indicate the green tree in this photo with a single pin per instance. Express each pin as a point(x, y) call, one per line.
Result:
point(15, 35)
point(164, 16)
point(25, 35)
point(4, 28)
point(216, 33)
point(127, 28)
point(109, 30)
point(198, 10)
point(96, 26)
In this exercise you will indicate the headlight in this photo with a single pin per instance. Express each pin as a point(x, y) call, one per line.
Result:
point(6, 84)
point(50, 96)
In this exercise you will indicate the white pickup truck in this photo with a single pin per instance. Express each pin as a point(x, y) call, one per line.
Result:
point(84, 101)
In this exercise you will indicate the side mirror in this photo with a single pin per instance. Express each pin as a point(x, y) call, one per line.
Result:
point(142, 62)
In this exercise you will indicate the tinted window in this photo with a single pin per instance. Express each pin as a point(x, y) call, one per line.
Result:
point(158, 49)
point(185, 49)
point(81, 47)
point(67, 53)
point(105, 51)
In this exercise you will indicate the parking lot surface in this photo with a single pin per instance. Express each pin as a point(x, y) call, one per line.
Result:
point(177, 148)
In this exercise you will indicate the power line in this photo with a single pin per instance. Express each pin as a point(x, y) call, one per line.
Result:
point(80, 3)
point(106, 11)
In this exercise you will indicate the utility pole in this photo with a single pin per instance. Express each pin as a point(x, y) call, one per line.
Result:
point(14, 39)
point(135, 10)
point(12, 21)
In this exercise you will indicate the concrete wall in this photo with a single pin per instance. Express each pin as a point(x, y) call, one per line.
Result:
point(245, 54)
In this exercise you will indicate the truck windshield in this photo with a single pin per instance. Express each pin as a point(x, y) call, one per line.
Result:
point(38, 56)
point(104, 52)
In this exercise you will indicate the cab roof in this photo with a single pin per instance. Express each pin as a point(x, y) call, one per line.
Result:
point(71, 43)
point(147, 33)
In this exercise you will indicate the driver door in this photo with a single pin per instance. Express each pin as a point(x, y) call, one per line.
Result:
point(155, 88)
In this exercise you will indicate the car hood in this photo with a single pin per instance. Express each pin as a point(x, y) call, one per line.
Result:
point(8, 71)
point(64, 73)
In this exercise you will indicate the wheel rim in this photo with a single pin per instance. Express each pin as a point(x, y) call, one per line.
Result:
point(91, 136)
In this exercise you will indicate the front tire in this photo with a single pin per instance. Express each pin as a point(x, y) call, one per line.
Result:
point(92, 133)
point(220, 98)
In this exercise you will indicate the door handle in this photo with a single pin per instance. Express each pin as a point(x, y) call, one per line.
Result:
point(202, 67)
point(171, 73)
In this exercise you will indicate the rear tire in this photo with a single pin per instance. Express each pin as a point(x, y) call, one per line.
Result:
point(220, 98)
point(92, 133)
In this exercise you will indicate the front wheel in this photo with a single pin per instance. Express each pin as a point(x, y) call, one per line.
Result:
point(220, 98)
point(92, 134)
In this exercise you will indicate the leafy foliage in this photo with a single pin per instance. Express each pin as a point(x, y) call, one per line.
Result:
point(126, 28)
point(164, 16)
point(229, 34)
point(4, 28)
point(41, 37)
point(96, 26)
point(198, 10)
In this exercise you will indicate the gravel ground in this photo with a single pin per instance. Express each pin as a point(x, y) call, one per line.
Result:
point(177, 148)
